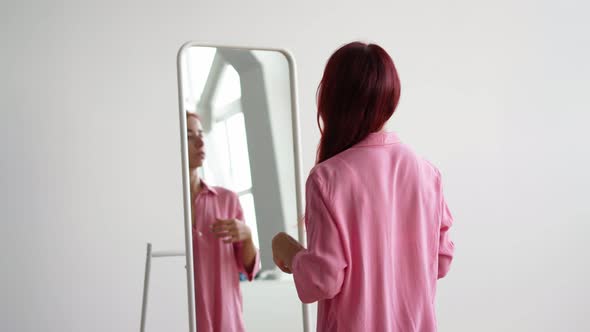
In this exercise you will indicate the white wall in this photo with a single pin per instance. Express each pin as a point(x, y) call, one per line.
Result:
point(261, 309)
point(493, 93)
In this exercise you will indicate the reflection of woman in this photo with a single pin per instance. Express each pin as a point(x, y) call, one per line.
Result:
point(377, 221)
point(222, 245)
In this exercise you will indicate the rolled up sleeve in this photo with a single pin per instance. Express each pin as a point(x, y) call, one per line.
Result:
point(446, 247)
point(319, 270)
point(239, 214)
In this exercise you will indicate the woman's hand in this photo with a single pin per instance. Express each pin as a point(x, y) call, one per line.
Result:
point(284, 249)
point(231, 230)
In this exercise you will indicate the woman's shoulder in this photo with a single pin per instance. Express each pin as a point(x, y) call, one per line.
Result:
point(327, 168)
point(326, 173)
point(347, 163)
point(225, 193)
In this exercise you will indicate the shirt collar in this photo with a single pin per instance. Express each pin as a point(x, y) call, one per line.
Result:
point(207, 189)
point(379, 138)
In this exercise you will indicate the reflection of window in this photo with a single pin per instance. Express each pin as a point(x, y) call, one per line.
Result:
point(229, 89)
point(229, 164)
point(238, 147)
point(198, 64)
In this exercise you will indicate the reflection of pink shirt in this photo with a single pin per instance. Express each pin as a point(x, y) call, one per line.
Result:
point(377, 227)
point(218, 298)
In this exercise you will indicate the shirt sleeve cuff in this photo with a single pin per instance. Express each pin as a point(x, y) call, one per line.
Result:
point(255, 268)
point(295, 266)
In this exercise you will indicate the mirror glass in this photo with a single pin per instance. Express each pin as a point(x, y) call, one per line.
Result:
point(242, 178)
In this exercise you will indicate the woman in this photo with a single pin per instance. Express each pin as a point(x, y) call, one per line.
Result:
point(377, 222)
point(222, 245)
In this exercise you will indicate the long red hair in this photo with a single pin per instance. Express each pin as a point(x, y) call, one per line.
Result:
point(358, 93)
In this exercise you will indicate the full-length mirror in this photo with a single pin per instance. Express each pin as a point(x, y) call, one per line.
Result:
point(240, 169)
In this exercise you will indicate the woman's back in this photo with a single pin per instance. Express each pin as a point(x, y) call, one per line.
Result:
point(377, 224)
point(375, 214)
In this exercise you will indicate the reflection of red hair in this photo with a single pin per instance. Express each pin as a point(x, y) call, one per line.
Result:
point(358, 93)
point(193, 114)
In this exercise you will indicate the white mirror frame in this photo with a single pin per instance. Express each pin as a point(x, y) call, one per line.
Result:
point(186, 178)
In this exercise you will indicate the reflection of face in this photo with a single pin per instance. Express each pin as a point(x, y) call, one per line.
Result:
point(196, 146)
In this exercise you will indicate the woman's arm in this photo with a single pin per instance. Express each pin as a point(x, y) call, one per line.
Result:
point(318, 271)
point(446, 247)
point(235, 231)
point(249, 254)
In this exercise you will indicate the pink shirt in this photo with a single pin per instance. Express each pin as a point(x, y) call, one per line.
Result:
point(377, 227)
point(218, 298)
